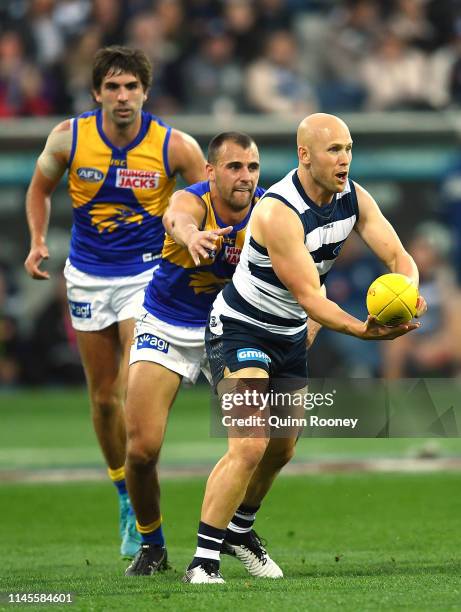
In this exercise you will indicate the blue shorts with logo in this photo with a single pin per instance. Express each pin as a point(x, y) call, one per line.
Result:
point(242, 345)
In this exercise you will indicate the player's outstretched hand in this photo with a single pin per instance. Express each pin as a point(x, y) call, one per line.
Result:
point(33, 261)
point(203, 243)
point(375, 331)
point(421, 306)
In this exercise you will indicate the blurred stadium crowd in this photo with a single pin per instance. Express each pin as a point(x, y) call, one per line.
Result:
point(45, 350)
point(287, 57)
point(234, 56)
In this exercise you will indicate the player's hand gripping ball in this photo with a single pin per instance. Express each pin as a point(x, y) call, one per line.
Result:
point(392, 298)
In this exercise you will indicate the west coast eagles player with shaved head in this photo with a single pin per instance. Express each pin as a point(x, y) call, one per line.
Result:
point(121, 164)
point(206, 224)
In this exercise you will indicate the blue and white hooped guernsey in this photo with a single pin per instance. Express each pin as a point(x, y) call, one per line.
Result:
point(256, 295)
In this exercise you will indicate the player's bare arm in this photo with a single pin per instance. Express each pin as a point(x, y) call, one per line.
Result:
point(50, 167)
point(295, 267)
point(313, 327)
point(182, 221)
point(186, 158)
point(379, 235)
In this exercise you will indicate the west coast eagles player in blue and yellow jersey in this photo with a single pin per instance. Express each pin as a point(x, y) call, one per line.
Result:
point(206, 229)
point(183, 290)
point(121, 164)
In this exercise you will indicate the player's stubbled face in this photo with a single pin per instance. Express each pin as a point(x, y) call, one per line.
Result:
point(121, 97)
point(237, 174)
point(331, 157)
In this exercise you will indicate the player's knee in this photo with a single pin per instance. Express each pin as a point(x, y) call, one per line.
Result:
point(142, 452)
point(281, 456)
point(105, 402)
point(248, 455)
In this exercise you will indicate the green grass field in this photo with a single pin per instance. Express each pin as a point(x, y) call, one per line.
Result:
point(50, 429)
point(352, 541)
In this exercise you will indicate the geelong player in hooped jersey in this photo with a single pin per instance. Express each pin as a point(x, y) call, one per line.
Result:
point(121, 164)
point(206, 226)
point(258, 323)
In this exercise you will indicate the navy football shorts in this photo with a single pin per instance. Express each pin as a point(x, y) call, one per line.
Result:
point(242, 345)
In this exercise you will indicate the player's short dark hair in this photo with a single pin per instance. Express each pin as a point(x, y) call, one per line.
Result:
point(118, 59)
point(240, 138)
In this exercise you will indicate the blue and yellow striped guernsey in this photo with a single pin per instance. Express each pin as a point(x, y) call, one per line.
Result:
point(181, 293)
point(118, 196)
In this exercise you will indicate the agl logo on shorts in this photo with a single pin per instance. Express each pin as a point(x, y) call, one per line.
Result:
point(149, 341)
point(80, 310)
point(250, 354)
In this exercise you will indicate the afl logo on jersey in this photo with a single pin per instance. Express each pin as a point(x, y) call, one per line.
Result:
point(91, 175)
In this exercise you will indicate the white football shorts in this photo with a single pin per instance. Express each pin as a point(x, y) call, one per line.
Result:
point(95, 302)
point(180, 349)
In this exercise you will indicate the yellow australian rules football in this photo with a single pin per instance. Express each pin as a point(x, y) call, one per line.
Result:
point(392, 298)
